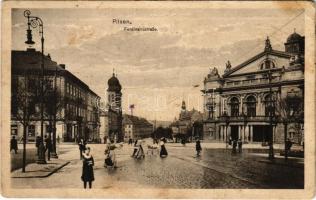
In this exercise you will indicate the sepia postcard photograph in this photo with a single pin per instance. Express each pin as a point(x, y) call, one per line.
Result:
point(158, 99)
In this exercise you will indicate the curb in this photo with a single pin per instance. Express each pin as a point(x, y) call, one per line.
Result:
point(47, 175)
point(282, 164)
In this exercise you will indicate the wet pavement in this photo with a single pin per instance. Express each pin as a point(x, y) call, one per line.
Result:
point(215, 168)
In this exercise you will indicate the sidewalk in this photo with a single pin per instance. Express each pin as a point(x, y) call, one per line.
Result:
point(35, 170)
point(222, 145)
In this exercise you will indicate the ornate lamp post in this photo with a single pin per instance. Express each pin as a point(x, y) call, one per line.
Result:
point(34, 22)
point(271, 115)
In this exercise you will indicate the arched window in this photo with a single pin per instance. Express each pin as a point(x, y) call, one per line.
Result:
point(251, 106)
point(267, 64)
point(269, 105)
point(234, 106)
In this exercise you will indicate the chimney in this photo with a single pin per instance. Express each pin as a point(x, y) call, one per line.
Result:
point(62, 66)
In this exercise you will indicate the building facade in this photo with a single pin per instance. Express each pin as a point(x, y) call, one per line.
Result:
point(189, 125)
point(76, 108)
point(115, 118)
point(136, 127)
point(261, 99)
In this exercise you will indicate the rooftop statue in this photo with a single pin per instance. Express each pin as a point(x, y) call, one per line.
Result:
point(228, 66)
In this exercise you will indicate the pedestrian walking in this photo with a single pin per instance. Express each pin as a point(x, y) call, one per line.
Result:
point(234, 146)
point(140, 151)
point(163, 150)
point(110, 160)
point(198, 147)
point(130, 141)
point(14, 145)
point(230, 140)
point(135, 148)
point(48, 146)
point(38, 141)
point(288, 145)
point(82, 147)
point(58, 139)
point(239, 145)
point(87, 168)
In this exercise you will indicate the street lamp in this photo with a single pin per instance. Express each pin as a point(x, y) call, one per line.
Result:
point(34, 22)
point(271, 114)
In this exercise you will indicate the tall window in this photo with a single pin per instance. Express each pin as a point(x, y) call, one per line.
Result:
point(251, 106)
point(269, 105)
point(234, 106)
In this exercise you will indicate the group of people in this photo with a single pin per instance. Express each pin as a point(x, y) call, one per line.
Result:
point(235, 143)
point(139, 150)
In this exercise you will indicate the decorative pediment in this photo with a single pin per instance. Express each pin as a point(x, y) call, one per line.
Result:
point(262, 61)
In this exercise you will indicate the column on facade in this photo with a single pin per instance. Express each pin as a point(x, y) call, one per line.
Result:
point(228, 131)
point(251, 133)
point(224, 132)
point(246, 133)
point(239, 132)
point(258, 106)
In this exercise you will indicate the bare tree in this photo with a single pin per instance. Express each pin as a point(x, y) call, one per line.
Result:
point(54, 102)
point(23, 102)
point(289, 110)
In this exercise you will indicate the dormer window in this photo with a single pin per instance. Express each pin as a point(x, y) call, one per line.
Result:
point(267, 64)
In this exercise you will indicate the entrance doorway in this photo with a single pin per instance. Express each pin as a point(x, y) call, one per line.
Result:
point(234, 132)
point(262, 133)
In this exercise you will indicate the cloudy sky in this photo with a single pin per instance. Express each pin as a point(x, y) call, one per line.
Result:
point(156, 69)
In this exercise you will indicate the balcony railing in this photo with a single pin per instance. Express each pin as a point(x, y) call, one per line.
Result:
point(248, 82)
point(243, 118)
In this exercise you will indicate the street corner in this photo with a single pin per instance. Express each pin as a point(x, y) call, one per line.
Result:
point(34, 170)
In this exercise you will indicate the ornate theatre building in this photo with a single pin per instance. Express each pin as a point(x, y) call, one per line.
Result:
point(261, 99)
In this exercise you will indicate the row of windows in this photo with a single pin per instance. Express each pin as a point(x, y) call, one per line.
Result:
point(77, 92)
point(251, 102)
point(74, 91)
point(74, 111)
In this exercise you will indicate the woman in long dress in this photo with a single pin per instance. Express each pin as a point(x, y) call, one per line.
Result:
point(140, 152)
point(87, 168)
point(163, 150)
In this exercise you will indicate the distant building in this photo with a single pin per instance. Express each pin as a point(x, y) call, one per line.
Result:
point(136, 127)
point(247, 101)
point(77, 116)
point(189, 124)
point(115, 118)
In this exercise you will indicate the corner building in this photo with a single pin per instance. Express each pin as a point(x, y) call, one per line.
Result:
point(239, 104)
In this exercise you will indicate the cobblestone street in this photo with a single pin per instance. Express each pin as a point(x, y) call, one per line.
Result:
point(216, 168)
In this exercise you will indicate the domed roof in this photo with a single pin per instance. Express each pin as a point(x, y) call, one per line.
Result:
point(114, 84)
point(294, 37)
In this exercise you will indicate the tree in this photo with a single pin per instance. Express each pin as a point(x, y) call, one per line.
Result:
point(162, 132)
point(23, 103)
point(54, 102)
point(289, 109)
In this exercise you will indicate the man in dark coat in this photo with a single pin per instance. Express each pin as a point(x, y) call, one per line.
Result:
point(48, 146)
point(198, 147)
point(239, 145)
point(38, 141)
point(234, 146)
point(288, 145)
point(14, 145)
point(82, 147)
